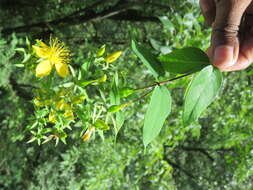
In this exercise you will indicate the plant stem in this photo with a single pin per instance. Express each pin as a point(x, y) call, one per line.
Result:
point(162, 82)
point(144, 95)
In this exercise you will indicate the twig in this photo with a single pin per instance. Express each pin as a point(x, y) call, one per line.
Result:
point(176, 166)
point(201, 150)
point(162, 82)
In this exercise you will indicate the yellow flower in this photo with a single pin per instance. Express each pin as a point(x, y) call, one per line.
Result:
point(78, 99)
point(56, 54)
point(113, 57)
point(102, 79)
point(40, 102)
point(88, 133)
point(62, 105)
point(101, 51)
point(69, 115)
point(51, 117)
point(37, 102)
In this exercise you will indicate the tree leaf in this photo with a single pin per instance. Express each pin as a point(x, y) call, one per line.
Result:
point(201, 92)
point(148, 59)
point(158, 110)
point(168, 25)
point(116, 108)
point(115, 99)
point(184, 60)
point(125, 92)
point(100, 124)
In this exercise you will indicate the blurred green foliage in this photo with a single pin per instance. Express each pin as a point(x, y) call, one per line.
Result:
point(215, 153)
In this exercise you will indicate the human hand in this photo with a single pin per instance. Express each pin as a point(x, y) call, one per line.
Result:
point(232, 36)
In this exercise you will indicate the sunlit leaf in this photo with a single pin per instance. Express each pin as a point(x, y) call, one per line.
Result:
point(125, 92)
point(186, 60)
point(148, 59)
point(199, 95)
point(158, 110)
point(116, 108)
point(100, 124)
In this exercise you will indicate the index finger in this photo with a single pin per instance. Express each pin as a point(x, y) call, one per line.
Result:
point(208, 10)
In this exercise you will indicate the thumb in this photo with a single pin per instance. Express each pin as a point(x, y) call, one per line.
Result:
point(225, 40)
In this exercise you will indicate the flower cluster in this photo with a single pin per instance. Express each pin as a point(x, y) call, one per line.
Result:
point(58, 105)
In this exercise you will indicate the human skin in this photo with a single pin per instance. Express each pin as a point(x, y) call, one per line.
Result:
point(231, 46)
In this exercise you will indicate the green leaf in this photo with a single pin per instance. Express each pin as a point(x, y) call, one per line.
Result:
point(116, 108)
point(86, 83)
point(202, 90)
point(184, 60)
point(115, 99)
point(99, 124)
point(148, 59)
point(158, 110)
point(125, 92)
point(101, 51)
point(168, 25)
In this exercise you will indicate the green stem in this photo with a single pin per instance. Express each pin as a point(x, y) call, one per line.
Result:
point(162, 82)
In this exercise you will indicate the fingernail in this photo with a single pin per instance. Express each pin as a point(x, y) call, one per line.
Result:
point(224, 56)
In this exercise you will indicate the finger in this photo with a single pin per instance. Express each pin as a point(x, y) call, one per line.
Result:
point(245, 57)
point(209, 51)
point(208, 11)
point(225, 41)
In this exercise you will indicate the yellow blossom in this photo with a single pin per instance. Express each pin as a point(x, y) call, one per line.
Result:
point(88, 133)
point(62, 105)
point(102, 79)
point(78, 99)
point(37, 102)
point(69, 115)
point(113, 57)
point(56, 54)
point(101, 51)
point(51, 117)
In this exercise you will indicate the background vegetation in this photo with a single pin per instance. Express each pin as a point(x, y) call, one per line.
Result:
point(215, 153)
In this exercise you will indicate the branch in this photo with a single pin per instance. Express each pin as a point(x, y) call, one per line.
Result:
point(162, 82)
point(134, 16)
point(176, 166)
point(90, 16)
point(201, 150)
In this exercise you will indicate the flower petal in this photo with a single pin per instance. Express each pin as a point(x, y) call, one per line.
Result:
point(113, 57)
point(40, 52)
point(88, 133)
point(62, 69)
point(43, 68)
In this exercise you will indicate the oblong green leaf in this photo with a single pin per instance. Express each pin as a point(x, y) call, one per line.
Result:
point(158, 110)
point(116, 108)
point(100, 124)
point(184, 60)
point(148, 59)
point(201, 92)
point(125, 92)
